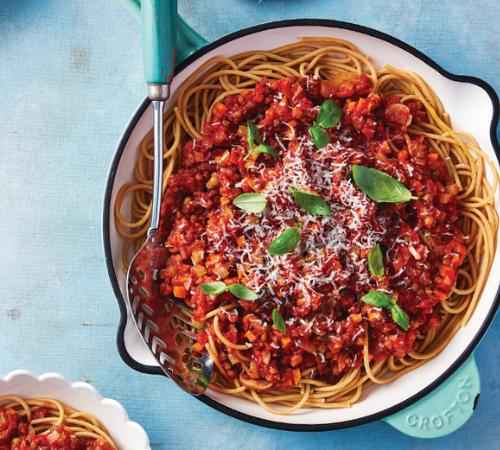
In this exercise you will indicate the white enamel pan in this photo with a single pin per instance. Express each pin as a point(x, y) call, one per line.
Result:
point(405, 403)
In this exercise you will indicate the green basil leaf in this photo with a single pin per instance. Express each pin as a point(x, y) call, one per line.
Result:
point(310, 202)
point(382, 300)
point(400, 317)
point(242, 292)
point(379, 186)
point(238, 290)
point(375, 263)
point(263, 148)
point(278, 321)
point(254, 203)
point(215, 288)
point(252, 133)
point(285, 242)
point(378, 299)
point(329, 114)
point(319, 136)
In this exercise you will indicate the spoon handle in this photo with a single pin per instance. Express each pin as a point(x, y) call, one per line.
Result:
point(157, 168)
point(159, 37)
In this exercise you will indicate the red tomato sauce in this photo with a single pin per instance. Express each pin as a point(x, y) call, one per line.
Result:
point(317, 286)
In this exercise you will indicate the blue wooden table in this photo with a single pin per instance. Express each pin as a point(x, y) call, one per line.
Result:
point(70, 78)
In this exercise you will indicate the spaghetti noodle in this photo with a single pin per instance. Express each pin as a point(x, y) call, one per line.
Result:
point(391, 121)
point(43, 422)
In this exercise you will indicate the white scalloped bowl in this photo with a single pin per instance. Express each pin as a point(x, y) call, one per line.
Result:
point(127, 435)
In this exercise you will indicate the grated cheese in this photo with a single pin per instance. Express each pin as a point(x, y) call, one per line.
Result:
point(342, 236)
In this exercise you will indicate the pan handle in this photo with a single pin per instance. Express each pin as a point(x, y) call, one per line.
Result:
point(444, 410)
point(188, 40)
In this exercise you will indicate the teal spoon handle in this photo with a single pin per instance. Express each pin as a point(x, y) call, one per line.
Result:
point(444, 410)
point(188, 40)
point(158, 34)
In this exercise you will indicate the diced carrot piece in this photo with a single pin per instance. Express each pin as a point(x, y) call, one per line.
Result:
point(296, 359)
point(440, 295)
point(398, 263)
point(198, 347)
point(221, 107)
point(446, 271)
point(250, 336)
point(336, 265)
point(347, 79)
point(356, 318)
point(241, 241)
point(296, 376)
point(285, 341)
point(180, 291)
point(403, 155)
point(234, 158)
point(444, 198)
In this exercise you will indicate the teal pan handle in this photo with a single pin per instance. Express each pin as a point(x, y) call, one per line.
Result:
point(444, 410)
point(188, 40)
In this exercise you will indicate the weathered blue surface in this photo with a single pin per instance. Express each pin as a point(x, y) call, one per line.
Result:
point(70, 78)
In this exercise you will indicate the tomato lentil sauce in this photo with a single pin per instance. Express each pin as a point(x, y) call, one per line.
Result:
point(317, 286)
point(16, 434)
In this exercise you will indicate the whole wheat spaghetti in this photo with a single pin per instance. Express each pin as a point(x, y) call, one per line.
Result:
point(313, 339)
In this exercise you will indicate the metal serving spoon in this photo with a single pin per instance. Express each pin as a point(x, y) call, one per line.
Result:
point(165, 329)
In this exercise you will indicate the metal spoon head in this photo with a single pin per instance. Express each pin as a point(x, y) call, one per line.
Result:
point(162, 320)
